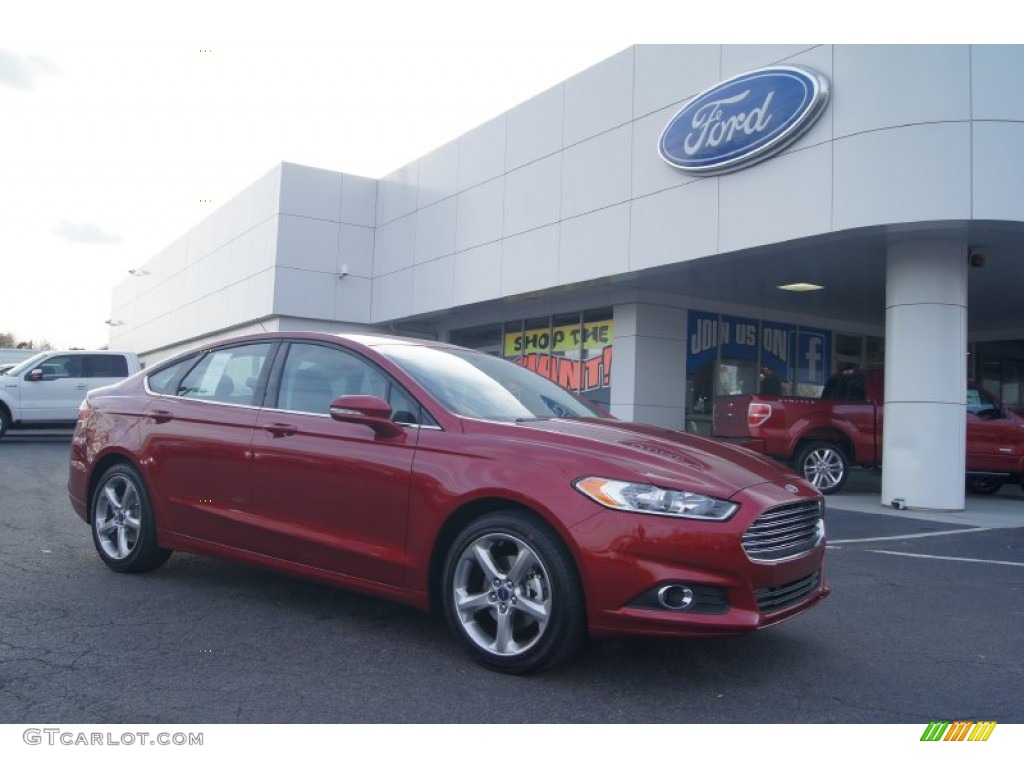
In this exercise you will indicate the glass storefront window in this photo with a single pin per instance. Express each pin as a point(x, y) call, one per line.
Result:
point(573, 349)
point(486, 338)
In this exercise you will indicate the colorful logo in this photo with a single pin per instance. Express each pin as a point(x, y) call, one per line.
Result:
point(744, 120)
point(961, 730)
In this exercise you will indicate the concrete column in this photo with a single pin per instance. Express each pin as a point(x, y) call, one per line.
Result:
point(649, 366)
point(923, 452)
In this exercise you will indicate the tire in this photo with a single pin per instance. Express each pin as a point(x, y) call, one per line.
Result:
point(511, 593)
point(824, 465)
point(123, 525)
point(5, 420)
point(984, 485)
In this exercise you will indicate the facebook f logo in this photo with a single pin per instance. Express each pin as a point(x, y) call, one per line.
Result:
point(814, 355)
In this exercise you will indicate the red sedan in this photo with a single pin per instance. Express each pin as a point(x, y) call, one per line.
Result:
point(447, 479)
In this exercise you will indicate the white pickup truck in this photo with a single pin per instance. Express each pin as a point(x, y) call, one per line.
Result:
point(47, 389)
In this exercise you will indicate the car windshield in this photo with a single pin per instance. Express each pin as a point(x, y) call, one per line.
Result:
point(480, 386)
point(20, 368)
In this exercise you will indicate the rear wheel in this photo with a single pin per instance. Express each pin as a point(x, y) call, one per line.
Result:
point(984, 485)
point(123, 526)
point(824, 465)
point(5, 420)
point(512, 595)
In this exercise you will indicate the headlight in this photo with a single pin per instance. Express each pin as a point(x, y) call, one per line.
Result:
point(637, 497)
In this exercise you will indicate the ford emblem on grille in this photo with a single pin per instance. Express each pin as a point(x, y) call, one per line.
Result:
point(744, 120)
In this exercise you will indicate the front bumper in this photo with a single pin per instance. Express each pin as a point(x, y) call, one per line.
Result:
point(626, 558)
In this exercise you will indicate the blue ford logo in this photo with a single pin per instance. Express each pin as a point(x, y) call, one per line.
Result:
point(744, 120)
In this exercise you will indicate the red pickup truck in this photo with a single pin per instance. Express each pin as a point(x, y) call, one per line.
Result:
point(823, 437)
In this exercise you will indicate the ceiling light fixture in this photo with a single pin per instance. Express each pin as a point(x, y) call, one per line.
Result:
point(800, 287)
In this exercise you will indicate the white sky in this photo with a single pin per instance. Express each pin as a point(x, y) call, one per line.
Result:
point(114, 125)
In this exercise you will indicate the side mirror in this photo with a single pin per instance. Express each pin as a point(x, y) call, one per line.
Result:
point(368, 410)
point(36, 375)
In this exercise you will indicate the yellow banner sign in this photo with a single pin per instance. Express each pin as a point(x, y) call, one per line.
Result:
point(564, 338)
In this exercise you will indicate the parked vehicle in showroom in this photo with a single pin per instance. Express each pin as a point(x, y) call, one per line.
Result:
point(46, 389)
point(446, 479)
point(822, 437)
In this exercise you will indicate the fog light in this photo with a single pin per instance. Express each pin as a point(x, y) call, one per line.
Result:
point(675, 597)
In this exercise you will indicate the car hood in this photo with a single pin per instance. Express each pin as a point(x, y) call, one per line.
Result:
point(661, 456)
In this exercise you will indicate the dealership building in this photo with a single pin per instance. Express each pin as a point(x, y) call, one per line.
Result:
point(659, 229)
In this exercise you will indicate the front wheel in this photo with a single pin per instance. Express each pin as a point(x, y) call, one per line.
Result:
point(824, 465)
point(512, 594)
point(123, 526)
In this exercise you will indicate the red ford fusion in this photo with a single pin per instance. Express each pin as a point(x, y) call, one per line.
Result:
point(449, 480)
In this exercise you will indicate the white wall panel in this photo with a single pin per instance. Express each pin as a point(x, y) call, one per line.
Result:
point(307, 243)
point(394, 245)
point(260, 246)
point(438, 175)
point(530, 261)
point(783, 198)
point(918, 173)
point(597, 172)
point(998, 150)
point(392, 296)
point(651, 173)
point(264, 196)
point(435, 230)
point(480, 214)
point(534, 128)
point(352, 299)
point(396, 193)
point(355, 250)
point(259, 293)
point(594, 245)
point(312, 192)
point(477, 274)
point(667, 75)
point(737, 59)
point(301, 293)
point(599, 98)
point(533, 195)
point(675, 225)
point(358, 200)
point(482, 153)
point(881, 86)
point(432, 285)
point(998, 88)
point(660, 371)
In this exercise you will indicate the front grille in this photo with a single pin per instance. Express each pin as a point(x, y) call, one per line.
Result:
point(785, 531)
point(771, 599)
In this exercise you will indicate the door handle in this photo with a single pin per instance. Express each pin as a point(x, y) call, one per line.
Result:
point(81, 386)
point(159, 417)
point(280, 430)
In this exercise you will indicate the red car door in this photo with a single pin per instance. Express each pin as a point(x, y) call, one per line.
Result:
point(197, 442)
point(995, 437)
point(329, 494)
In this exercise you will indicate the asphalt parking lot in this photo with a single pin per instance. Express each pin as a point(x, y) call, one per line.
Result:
point(924, 623)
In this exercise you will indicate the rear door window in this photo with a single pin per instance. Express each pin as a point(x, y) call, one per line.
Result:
point(226, 375)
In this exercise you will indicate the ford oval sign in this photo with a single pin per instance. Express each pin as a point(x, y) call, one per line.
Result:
point(744, 120)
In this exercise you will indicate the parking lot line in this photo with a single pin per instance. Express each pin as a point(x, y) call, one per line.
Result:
point(907, 536)
point(946, 557)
